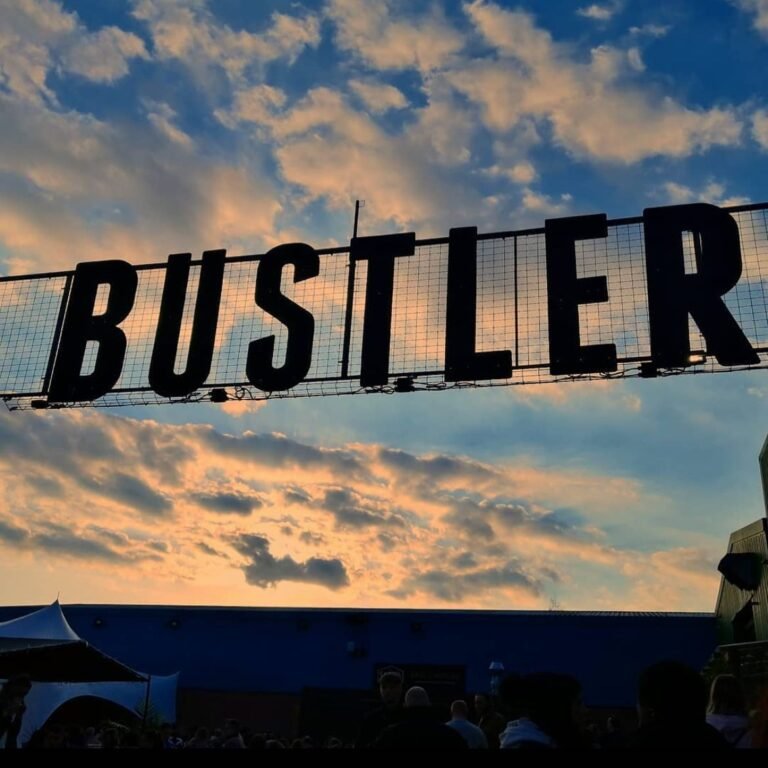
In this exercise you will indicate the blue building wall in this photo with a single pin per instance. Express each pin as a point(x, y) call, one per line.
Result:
point(285, 650)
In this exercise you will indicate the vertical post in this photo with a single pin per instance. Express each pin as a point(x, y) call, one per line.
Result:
point(357, 216)
point(57, 334)
point(145, 714)
point(516, 361)
point(350, 299)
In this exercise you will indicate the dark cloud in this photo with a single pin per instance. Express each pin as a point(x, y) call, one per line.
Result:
point(450, 586)
point(387, 542)
point(286, 530)
point(474, 518)
point(159, 546)
point(131, 491)
point(435, 468)
point(264, 569)
point(55, 441)
point(161, 450)
point(296, 496)
point(209, 550)
point(275, 450)
point(469, 518)
point(464, 561)
point(12, 534)
point(313, 539)
point(228, 503)
point(66, 543)
point(353, 511)
point(45, 486)
point(116, 537)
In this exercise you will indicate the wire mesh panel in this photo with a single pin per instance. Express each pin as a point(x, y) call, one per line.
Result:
point(512, 315)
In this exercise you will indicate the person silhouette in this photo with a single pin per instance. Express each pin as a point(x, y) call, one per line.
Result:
point(12, 708)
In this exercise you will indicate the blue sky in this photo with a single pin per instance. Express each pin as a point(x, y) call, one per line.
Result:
point(137, 129)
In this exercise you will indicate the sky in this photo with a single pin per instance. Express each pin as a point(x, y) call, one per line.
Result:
point(137, 128)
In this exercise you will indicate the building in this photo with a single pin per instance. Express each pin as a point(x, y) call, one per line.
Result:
point(315, 670)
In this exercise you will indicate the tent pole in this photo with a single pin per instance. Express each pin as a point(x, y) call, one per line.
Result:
point(146, 705)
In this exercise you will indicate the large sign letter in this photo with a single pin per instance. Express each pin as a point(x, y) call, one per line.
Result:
point(565, 293)
point(300, 323)
point(462, 362)
point(673, 294)
point(81, 326)
point(380, 253)
point(161, 369)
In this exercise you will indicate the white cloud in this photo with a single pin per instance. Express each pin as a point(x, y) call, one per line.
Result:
point(378, 97)
point(758, 9)
point(104, 55)
point(650, 30)
point(599, 12)
point(38, 35)
point(189, 32)
point(386, 39)
point(760, 127)
point(544, 205)
point(338, 154)
point(713, 192)
point(635, 59)
point(590, 110)
point(257, 104)
point(161, 116)
point(152, 200)
point(521, 173)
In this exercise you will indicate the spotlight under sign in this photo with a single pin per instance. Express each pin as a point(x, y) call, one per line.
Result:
point(678, 290)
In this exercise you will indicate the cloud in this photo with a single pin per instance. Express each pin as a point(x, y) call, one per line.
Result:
point(151, 198)
point(378, 97)
point(352, 510)
point(207, 549)
point(280, 451)
point(453, 587)
point(591, 110)
point(758, 9)
point(760, 127)
point(129, 490)
point(313, 539)
point(39, 36)
point(598, 12)
point(12, 534)
point(64, 543)
point(228, 503)
point(713, 192)
point(263, 569)
point(190, 33)
point(650, 30)
point(389, 40)
point(404, 521)
point(161, 116)
point(104, 56)
point(57, 540)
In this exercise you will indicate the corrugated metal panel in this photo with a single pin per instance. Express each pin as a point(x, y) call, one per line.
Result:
point(751, 538)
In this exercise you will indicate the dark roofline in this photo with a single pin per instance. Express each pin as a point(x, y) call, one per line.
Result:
point(386, 611)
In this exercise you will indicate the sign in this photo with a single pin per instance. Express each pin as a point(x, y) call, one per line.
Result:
point(677, 290)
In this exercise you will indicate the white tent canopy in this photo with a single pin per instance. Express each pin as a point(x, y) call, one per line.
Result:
point(46, 624)
point(49, 627)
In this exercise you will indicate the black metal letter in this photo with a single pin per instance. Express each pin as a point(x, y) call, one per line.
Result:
point(161, 369)
point(565, 293)
point(673, 294)
point(380, 253)
point(82, 326)
point(462, 362)
point(300, 323)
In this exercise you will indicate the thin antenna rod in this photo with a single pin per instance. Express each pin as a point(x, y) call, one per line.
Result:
point(357, 216)
point(350, 299)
